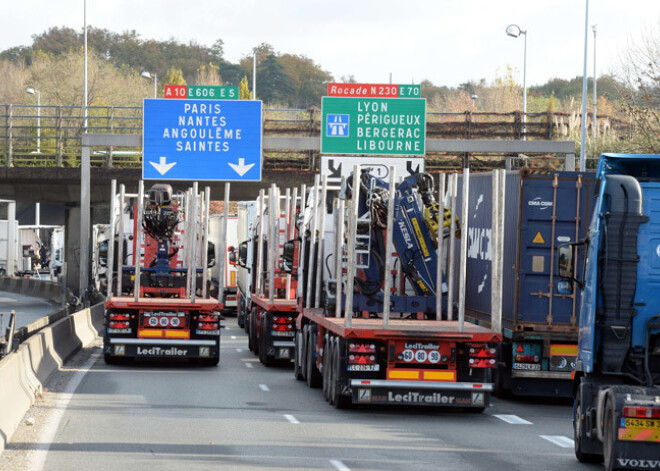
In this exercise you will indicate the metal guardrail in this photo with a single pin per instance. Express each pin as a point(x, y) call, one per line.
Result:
point(57, 141)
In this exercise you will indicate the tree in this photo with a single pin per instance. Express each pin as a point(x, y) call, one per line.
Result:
point(208, 75)
point(244, 92)
point(274, 85)
point(308, 81)
point(640, 72)
point(56, 41)
point(174, 76)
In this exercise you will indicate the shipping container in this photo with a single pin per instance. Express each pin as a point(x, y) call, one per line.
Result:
point(543, 210)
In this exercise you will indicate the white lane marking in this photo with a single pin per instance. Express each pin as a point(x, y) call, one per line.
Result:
point(339, 465)
point(227, 328)
point(513, 419)
point(291, 419)
point(263, 387)
point(37, 458)
point(239, 350)
point(249, 365)
point(559, 440)
point(233, 337)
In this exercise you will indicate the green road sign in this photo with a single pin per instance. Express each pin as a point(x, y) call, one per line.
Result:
point(377, 126)
point(210, 92)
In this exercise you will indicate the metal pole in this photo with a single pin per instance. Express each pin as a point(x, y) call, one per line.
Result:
point(463, 254)
point(155, 85)
point(12, 242)
point(192, 268)
point(111, 240)
point(273, 233)
point(85, 66)
point(501, 224)
point(583, 139)
point(290, 209)
point(320, 244)
point(494, 242)
point(38, 122)
point(254, 75)
point(120, 241)
point(387, 292)
point(594, 28)
point(138, 241)
point(205, 242)
point(301, 234)
point(441, 248)
point(451, 270)
point(339, 234)
point(222, 250)
point(352, 230)
point(37, 214)
point(524, 117)
point(84, 220)
point(312, 241)
point(260, 243)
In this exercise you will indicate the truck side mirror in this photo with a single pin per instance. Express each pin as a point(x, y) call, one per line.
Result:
point(232, 255)
point(103, 253)
point(242, 254)
point(288, 255)
point(210, 255)
point(565, 261)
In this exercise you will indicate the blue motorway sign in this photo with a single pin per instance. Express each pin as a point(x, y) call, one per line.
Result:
point(201, 140)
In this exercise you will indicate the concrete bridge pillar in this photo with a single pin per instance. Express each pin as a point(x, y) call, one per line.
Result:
point(72, 250)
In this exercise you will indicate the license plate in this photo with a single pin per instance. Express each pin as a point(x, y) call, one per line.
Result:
point(642, 423)
point(363, 367)
point(527, 366)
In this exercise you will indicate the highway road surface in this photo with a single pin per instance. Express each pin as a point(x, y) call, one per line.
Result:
point(243, 416)
point(28, 309)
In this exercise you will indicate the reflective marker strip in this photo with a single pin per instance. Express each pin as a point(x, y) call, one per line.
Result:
point(403, 374)
point(559, 440)
point(177, 334)
point(150, 333)
point(639, 435)
point(440, 375)
point(570, 350)
point(513, 419)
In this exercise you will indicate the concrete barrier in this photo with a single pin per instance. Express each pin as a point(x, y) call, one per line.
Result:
point(33, 287)
point(24, 372)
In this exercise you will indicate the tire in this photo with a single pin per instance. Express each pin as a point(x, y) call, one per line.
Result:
point(338, 399)
point(303, 352)
point(577, 432)
point(109, 359)
point(264, 358)
point(297, 360)
point(253, 339)
point(609, 436)
point(313, 376)
point(210, 361)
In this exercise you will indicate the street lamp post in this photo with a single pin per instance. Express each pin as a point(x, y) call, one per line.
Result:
point(514, 31)
point(594, 28)
point(583, 137)
point(254, 75)
point(148, 76)
point(32, 91)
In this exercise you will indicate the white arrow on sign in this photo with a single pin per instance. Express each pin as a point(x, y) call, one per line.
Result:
point(241, 168)
point(163, 167)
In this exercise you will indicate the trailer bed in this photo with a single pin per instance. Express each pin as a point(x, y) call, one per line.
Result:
point(278, 304)
point(373, 328)
point(128, 302)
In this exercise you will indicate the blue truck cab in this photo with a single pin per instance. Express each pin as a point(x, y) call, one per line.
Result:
point(617, 376)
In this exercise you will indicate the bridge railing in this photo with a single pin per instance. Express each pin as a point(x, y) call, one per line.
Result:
point(56, 141)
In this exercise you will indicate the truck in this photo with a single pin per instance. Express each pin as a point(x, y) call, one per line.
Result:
point(229, 296)
point(272, 302)
point(10, 251)
point(616, 413)
point(371, 327)
point(158, 303)
point(543, 210)
point(242, 256)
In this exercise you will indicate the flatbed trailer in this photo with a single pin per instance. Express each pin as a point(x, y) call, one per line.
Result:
point(271, 323)
point(389, 347)
point(159, 305)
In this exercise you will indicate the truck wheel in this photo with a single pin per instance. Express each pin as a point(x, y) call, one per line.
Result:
point(338, 399)
point(109, 359)
point(609, 436)
point(297, 363)
point(303, 352)
point(253, 340)
point(578, 432)
point(264, 358)
point(313, 375)
point(210, 361)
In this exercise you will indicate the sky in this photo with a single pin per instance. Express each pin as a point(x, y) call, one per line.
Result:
point(448, 42)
